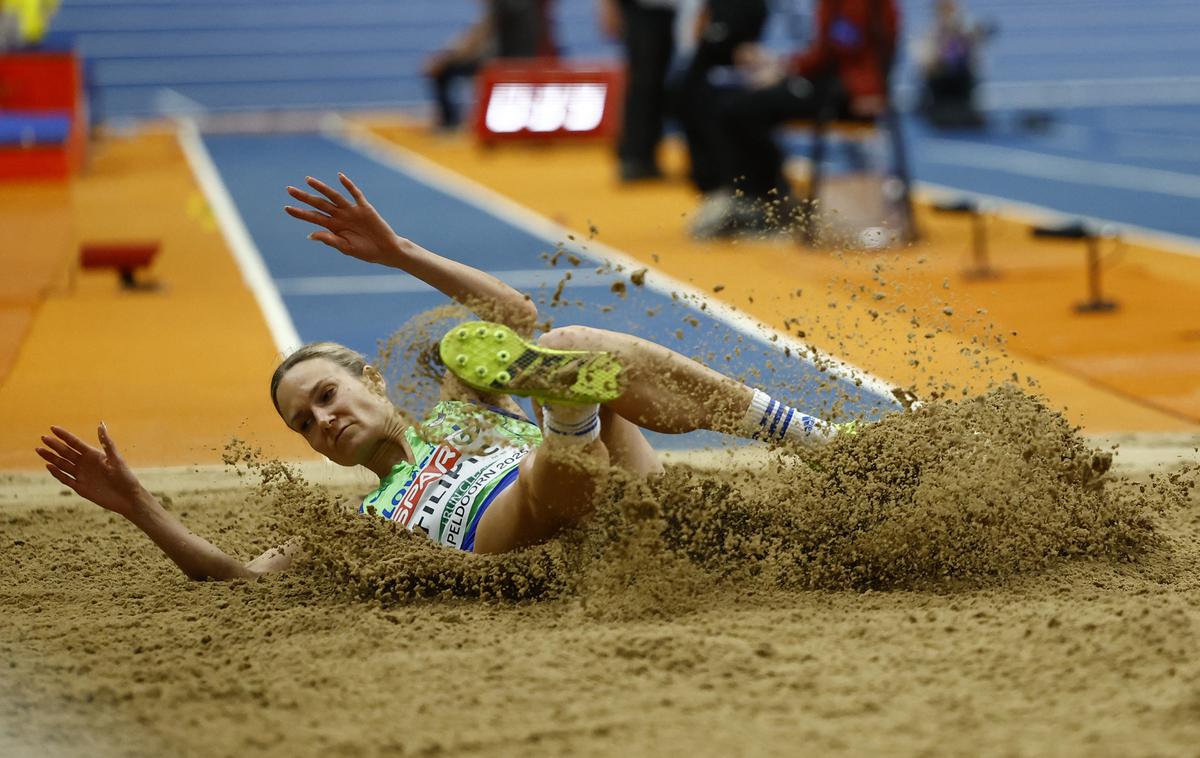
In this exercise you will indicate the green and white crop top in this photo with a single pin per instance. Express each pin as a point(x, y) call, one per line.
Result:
point(465, 455)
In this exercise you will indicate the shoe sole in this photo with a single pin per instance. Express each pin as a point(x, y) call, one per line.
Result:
point(493, 358)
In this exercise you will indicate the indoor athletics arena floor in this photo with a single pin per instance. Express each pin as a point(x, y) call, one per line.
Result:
point(960, 580)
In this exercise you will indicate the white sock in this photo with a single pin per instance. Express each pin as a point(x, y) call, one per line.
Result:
point(773, 421)
point(574, 424)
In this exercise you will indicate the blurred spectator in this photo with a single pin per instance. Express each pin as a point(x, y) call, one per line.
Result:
point(23, 23)
point(10, 29)
point(949, 60)
point(507, 29)
point(842, 75)
point(702, 91)
point(646, 28)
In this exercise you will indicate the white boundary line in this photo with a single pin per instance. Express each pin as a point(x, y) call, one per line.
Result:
point(362, 140)
point(245, 252)
point(170, 102)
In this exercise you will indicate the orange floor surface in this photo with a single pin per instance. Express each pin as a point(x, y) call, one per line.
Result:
point(179, 371)
point(35, 245)
point(175, 373)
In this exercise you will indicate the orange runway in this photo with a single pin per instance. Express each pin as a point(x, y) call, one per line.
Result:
point(179, 371)
point(175, 372)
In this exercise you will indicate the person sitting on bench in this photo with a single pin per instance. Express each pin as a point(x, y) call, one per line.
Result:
point(948, 58)
point(842, 75)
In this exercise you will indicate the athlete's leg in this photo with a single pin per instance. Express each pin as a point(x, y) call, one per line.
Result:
point(662, 390)
point(628, 447)
point(555, 490)
point(576, 367)
point(558, 483)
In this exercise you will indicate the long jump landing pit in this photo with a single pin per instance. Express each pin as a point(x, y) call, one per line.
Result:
point(1002, 602)
point(957, 581)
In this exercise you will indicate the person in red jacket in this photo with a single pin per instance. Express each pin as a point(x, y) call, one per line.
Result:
point(842, 75)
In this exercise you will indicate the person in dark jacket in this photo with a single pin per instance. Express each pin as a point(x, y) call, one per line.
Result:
point(844, 72)
point(948, 58)
point(702, 92)
point(646, 29)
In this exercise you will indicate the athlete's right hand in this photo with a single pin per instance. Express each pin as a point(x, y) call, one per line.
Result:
point(101, 476)
point(353, 228)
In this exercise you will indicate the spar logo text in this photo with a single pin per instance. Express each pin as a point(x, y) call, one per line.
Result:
point(442, 463)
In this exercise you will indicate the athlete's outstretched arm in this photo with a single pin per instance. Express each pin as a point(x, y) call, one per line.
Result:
point(102, 476)
point(353, 227)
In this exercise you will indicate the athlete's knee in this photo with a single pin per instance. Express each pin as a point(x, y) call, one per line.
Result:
point(564, 479)
point(570, 338)
point(544, 514)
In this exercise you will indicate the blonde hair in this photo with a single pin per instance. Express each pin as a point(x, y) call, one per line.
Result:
point(351, 360)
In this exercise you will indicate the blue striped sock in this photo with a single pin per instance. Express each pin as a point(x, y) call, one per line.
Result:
point(770, 420)
point(577, 424)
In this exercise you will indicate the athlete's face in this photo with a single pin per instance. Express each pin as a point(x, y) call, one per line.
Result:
point(341, 416)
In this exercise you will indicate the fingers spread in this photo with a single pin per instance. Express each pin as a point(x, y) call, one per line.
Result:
point(353, 189)
point(55, 460)
point(312, 217)
point(110, 447)
point(62, 448)
point(76, 443)
point(331, 239)
point(63, 477)
point(329, 192)
point(319, 203)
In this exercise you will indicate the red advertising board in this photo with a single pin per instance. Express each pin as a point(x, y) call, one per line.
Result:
point(547, 99)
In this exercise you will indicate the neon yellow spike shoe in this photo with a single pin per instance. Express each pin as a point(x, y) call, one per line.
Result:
point(847, 428)
point(493, 358)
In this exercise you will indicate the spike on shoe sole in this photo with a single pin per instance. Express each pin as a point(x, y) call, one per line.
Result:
point(493, 358)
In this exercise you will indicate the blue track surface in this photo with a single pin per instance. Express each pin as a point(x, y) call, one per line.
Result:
point(256, 170)
point(1139, 167)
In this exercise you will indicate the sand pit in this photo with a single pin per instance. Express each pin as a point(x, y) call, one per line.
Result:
point(960, 581)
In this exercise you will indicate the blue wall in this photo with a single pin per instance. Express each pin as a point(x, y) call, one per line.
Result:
point(154, 56)
point(1121, 79)
point(150, 56)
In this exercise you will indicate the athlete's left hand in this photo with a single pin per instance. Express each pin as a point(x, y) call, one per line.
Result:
point(353, 228)
point(97, 474)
